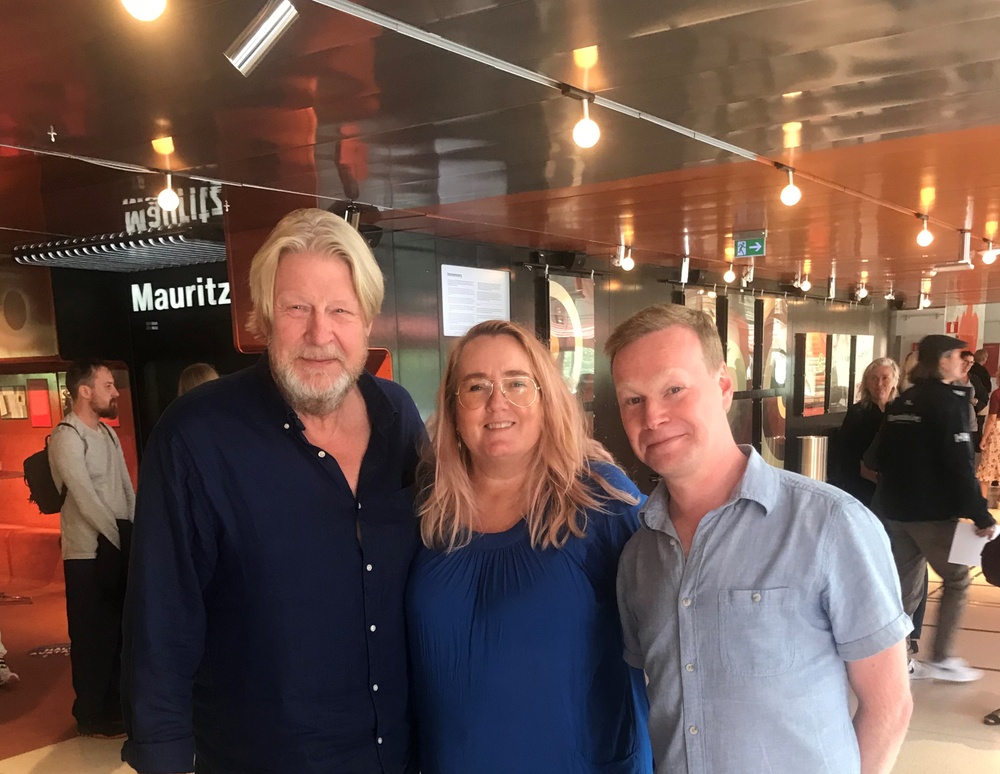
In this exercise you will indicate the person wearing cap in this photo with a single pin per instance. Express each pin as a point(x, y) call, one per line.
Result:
point(927, 481)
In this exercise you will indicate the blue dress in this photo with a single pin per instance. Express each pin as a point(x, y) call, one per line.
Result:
point(517, 654)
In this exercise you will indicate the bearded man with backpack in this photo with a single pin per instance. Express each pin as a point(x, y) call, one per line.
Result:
point(88, 465)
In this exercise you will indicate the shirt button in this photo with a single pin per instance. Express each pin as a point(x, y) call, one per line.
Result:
point(322, 454)
point(368, 567)
point(686, 602)
point(379, 740)
point(693, 730)
point(673, 543)
point(372, 627)
point(287, 426)
point(756, 596)
point(689, 667)
point(375, 687)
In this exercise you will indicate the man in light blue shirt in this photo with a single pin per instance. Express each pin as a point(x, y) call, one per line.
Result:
point(755, 599)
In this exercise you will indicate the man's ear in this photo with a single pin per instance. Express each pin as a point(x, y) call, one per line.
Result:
point(726, 386)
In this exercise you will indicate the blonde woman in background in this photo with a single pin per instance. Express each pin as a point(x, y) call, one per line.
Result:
point(193, 375)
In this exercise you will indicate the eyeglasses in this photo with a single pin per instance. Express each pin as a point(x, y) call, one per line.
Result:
point(521, 391)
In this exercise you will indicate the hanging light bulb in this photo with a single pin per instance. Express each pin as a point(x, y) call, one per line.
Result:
point(624, 260)
point(586, 133)
point(730, 275)
point(925, 300)
point(790, 194)
point(145, 10)
point(862, 292)
point(925, 237)
point(990, 255)
point(805, 286)
point(168, 198)
point(628, 262)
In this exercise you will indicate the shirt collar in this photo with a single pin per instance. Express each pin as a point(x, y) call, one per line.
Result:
point(759, 484)
point(381, 411)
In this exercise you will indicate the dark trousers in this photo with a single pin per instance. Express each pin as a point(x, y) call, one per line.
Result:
point(94, 611)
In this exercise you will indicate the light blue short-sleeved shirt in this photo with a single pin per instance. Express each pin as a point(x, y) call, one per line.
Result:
point(744, 642)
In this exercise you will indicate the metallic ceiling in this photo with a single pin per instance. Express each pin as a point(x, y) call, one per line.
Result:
point(899, 100)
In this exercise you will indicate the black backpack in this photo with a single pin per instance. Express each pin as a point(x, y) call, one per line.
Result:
point(990, 563)
point(42, 488)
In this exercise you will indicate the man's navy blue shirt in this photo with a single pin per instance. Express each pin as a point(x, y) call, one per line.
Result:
point(264, 621)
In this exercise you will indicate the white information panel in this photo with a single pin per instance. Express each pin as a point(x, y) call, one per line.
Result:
point(470, 295)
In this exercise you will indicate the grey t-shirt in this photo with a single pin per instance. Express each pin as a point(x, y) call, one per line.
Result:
point(745, 640)
point(90, 464)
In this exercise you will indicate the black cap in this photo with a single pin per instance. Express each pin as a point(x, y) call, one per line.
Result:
point(934, 346)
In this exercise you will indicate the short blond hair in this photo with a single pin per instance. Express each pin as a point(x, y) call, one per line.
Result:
point(662, 316)
point(313, 231)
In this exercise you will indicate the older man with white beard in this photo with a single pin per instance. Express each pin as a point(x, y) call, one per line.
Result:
point(264, 622)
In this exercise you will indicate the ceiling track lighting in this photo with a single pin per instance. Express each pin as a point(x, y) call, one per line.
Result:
point(624, 260)
point(261, 35)
point(925, 237)
point(730, 275)
point(862, 292)
point(586, 133)
point(168, 198)
point(925, 300)
point(989, 254)
point(790, 194)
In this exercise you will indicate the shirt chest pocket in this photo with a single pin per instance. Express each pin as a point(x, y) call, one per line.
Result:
point(756, 631)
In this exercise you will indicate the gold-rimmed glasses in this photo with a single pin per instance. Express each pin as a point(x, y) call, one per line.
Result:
point(521, 391)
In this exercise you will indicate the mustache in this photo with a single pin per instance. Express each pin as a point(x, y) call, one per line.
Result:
point(331, 352)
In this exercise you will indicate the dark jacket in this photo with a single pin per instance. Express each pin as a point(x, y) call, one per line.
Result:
point(980, 379)
point(861, 423)
point(925, 457)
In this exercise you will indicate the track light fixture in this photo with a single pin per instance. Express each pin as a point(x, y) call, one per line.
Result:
point(805, 286)
point(730, 275)
point(168, 198)
point(260, 36)
point(624, 260)
point(862, 292)
point(890, 295)
point(925, 300)
point(145, 10)
point(925, 237)
point(990, 255)
point(586, 133)
point(790, 194)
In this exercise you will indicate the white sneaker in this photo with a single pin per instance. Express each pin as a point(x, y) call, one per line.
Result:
point(954, 670)
point(919, 670)
point(6, 676)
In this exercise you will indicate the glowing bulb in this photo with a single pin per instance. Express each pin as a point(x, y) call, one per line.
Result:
point(925, 237)
point(862, 292)
point(730, 275)
point(168, 198)
point(627, 263)
point(790, 194)
point(145, 10)
point(586, 133)
point(806, 285)
point(925, 302)
point(990, 256)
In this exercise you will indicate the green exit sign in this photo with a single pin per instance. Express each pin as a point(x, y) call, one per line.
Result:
point(749, 245)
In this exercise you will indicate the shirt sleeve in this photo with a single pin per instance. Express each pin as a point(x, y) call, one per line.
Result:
point(956, 457)
point(630, 625)
point(860, 586)
point(173, 560)
point(68, 460)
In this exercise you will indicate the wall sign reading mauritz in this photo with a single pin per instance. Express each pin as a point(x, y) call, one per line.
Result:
point(199, 202)
point(205, 291)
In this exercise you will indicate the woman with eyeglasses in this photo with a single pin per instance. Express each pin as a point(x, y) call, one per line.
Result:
point(515, 642)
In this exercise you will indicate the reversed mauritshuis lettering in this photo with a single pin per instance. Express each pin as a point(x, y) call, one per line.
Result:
point(205, 292)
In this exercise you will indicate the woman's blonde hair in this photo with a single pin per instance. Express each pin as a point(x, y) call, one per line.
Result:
point(313, 231)
point(864, 391)
point(557, 489)
point(193, 375)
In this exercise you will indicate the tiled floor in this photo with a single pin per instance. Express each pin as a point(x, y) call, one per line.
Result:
point(946, 734)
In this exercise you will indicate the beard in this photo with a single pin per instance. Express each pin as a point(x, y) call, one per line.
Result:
point(106, 412)
point(320, 396)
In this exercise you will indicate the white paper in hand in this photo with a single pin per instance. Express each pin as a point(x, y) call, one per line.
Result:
point(966, 546)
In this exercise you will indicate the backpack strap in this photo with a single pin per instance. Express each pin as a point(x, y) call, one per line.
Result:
point(67, 424)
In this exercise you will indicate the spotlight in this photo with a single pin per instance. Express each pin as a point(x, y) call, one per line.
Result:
point(624, 260)
point(145, 10)
point(805, 286)
point(168, 198)
point(586, 133)
point(925, 300)
point(925, 237)
point(259, 37)
point(990, 255)
point(862, 292)
point(790, 194)
point(730, 275)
